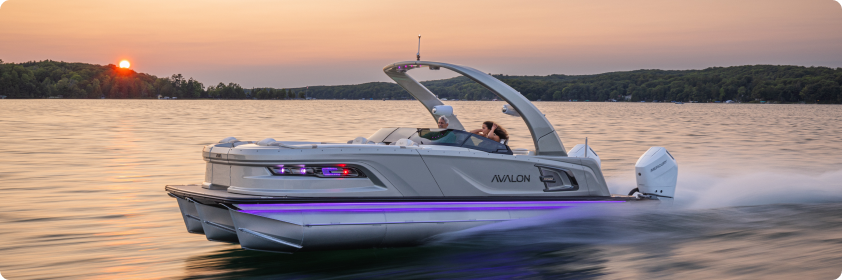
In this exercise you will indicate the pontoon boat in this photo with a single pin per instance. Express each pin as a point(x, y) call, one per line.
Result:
point(400, 186)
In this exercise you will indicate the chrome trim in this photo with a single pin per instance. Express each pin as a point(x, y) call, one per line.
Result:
point(221, 226)
point(267, 237)
point(657, 195)
point(405, 222)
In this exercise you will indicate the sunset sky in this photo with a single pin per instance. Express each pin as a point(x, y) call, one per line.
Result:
point(259, 43)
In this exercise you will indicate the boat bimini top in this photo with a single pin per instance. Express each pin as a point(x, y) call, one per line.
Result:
point(544, 136)
point(400, 186)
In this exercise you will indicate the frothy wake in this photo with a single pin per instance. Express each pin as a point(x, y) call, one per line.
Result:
point(705, 205)
point(701, 190)
point(580, 225)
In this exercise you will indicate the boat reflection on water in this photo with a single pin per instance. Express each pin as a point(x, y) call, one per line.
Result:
point(555, 245)
point(617, 243)
point(573, 261)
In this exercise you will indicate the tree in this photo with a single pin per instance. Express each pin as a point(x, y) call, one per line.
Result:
point(741, 93)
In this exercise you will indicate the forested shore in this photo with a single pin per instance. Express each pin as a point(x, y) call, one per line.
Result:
point(45, 79)
point(757, 83)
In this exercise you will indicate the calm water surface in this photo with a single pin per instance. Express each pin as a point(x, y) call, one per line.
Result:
point(760, 192)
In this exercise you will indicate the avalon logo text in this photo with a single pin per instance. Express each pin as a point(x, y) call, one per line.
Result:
point(510, 178)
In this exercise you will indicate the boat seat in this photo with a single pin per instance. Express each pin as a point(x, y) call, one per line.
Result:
point(404, 142)
point(266, 142)
point(361, 140)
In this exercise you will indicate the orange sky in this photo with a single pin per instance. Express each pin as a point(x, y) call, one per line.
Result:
point(296, 43)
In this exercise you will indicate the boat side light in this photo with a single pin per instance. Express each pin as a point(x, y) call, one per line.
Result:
point(332, 171)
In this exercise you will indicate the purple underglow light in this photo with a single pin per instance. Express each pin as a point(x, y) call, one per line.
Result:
point(421, 209)
point(389, 205)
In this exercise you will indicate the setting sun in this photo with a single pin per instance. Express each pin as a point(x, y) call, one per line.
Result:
point(124, 64)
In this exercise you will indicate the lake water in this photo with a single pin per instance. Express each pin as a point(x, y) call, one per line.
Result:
point(759, 193)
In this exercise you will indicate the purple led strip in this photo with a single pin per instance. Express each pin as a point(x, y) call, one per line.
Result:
point(256, 212)
point(326, 171)
point(467, 204)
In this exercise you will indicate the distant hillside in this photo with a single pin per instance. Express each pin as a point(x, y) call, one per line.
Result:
point(787, 84)
point(784, 84)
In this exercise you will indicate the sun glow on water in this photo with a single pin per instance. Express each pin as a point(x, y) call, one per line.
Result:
point(125, 64)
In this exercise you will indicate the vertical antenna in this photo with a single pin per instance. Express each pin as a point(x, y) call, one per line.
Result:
point(418, 55)
point(586, 147)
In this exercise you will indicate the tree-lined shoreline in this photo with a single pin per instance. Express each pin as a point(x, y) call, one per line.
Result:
point(755, 83)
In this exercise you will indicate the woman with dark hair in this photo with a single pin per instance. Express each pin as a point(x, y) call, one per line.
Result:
point(492, 131)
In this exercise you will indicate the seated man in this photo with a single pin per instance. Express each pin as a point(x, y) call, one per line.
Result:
point(443, 122)
point(458, 138)
point(441, 136)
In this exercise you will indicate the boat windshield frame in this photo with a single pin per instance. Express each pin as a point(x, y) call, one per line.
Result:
point(459, 138)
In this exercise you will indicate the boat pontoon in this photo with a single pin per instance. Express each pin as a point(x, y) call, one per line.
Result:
point(400, 186)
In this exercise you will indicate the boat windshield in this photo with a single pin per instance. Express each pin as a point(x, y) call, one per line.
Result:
point(459, 138)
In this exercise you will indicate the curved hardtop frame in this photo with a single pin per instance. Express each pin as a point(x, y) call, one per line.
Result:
point(544, 136)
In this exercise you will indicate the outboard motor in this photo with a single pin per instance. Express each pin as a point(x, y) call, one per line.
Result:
point(657, 174)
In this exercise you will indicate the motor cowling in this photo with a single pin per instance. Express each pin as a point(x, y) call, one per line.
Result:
point(657, 173)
